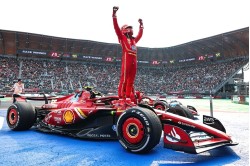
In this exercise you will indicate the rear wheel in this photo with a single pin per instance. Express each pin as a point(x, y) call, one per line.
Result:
point(20, 116)
point(161, 105)
point(139, 130)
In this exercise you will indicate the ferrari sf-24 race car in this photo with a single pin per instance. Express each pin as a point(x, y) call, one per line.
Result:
point(173, 106)
point(138, 127)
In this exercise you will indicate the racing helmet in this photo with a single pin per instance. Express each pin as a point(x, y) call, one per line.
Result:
point(125, 28)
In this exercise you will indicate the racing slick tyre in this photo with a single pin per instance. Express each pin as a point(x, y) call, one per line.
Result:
point(161, 105)
point(20, 116)
point(182, 111)
point(192, 108)
point(139, 130)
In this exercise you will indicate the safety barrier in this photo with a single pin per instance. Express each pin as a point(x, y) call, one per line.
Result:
point(240, 99)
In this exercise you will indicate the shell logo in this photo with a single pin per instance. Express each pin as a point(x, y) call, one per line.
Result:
point(68, 116)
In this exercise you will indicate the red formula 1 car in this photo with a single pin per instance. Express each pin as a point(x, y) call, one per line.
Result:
point(137, 127)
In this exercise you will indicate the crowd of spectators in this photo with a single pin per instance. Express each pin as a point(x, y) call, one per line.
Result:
point(55, 75)
point(197, 78)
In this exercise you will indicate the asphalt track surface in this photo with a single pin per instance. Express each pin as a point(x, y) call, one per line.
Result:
point(33, 148)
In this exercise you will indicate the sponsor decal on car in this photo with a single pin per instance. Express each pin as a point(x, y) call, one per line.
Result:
point(186, 124)
point(99, 135)
point(59, 112)
point(105, 135)
point(83, 101)
point(68, 116)
point(173, 136)
point(58, 119)
point(209, 120)
point(47, 118)
point(80, 113)
point(49, 106)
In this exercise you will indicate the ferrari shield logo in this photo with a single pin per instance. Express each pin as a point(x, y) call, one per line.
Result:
point(68, 116)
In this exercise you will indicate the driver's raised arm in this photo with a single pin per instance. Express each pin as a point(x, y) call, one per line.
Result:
point(115, 23)
point(139, 35)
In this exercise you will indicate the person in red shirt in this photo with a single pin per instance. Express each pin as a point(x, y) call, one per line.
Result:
point(129, 56)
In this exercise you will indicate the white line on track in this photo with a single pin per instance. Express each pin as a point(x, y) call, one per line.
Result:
point(157, 163)
point(1, 122)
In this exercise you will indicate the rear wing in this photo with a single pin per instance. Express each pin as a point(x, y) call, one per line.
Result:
point(37, 97)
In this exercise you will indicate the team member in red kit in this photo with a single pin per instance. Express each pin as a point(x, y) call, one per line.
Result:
point(129, 56)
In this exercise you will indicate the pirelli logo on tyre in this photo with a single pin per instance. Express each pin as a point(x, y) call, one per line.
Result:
point(143, 117)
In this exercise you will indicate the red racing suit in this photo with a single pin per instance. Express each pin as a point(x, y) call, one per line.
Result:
point(129, 61)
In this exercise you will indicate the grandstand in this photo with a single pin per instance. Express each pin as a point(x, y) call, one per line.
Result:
point(53, 64)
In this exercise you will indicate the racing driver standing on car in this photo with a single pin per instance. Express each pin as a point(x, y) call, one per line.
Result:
point(129, 57)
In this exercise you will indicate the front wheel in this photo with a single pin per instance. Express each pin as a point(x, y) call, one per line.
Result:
point(20, 116)
point(193, 110)
point(139, 130)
